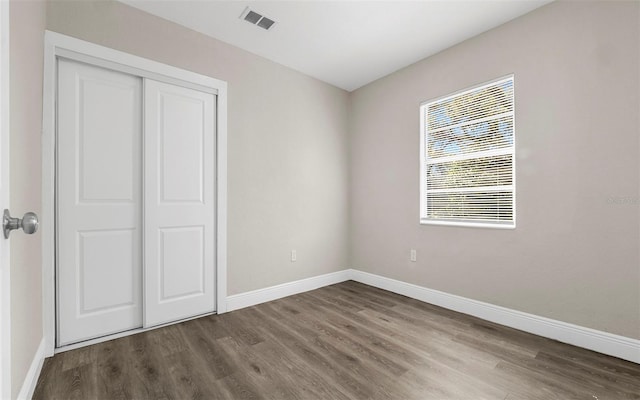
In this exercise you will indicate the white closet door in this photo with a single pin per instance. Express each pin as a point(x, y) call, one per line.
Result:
point(98, 202)
point(179, 203)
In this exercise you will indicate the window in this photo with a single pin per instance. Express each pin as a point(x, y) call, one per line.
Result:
point(467, 150)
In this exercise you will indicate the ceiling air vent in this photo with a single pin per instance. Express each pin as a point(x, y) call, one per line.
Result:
point(257, 19)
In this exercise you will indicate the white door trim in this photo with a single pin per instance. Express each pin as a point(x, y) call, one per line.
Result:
point(58, 45)
point(5, 268)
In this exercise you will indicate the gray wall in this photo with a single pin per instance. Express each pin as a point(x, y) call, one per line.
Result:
point(27, 20)
point(287, 143)
point(574, 255)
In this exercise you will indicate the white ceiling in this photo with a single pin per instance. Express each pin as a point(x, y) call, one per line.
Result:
point(345, 43)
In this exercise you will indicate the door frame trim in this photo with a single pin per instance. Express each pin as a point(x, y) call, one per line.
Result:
point(5, 269)
point(57, 45)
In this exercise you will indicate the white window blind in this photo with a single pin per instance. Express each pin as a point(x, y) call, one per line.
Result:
point(467, 148)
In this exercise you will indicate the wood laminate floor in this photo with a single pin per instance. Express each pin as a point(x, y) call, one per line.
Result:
point(346, 341)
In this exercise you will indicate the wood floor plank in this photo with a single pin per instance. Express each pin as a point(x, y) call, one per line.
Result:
point(422, 355)
point(213, 357)
point(190, 379)
point(242, 332)
point(113, 370)
point(604, 377)
point(148, 370)
point(379, 333)
point(237, 387)
point(343, 340)
point(412, 340)
point(78, 357)
point(51, 369)
point(346, 341)
point(169, 340)
point(314, 353)
point(216, 327)
point(258, 372)
point(296, 370)
point(80, 383)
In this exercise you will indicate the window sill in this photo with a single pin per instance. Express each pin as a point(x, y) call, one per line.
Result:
point(468, 224)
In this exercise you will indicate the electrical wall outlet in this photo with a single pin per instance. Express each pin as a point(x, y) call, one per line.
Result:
point(413, 255)
point(294, 256)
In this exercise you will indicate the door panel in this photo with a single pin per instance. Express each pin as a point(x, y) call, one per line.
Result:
point(99, 263)
point(179, 203)
point(181, 146)
point(107, 161)
point(182, 266)
point(99, 214)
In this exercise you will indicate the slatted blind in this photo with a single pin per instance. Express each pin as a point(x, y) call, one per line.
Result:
point(467, 151)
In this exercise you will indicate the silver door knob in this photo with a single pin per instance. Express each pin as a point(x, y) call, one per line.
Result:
point(28, 223)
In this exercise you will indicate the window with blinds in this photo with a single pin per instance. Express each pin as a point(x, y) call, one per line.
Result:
point(468, 167)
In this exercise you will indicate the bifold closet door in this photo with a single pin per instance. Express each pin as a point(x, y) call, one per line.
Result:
point(179, 162)
point(99, 207)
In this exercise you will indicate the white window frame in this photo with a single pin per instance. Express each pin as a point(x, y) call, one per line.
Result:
point(424, 159)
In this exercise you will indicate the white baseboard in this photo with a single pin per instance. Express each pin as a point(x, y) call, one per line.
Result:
point(602, 342)
point(254, 297)
point(30, 381)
